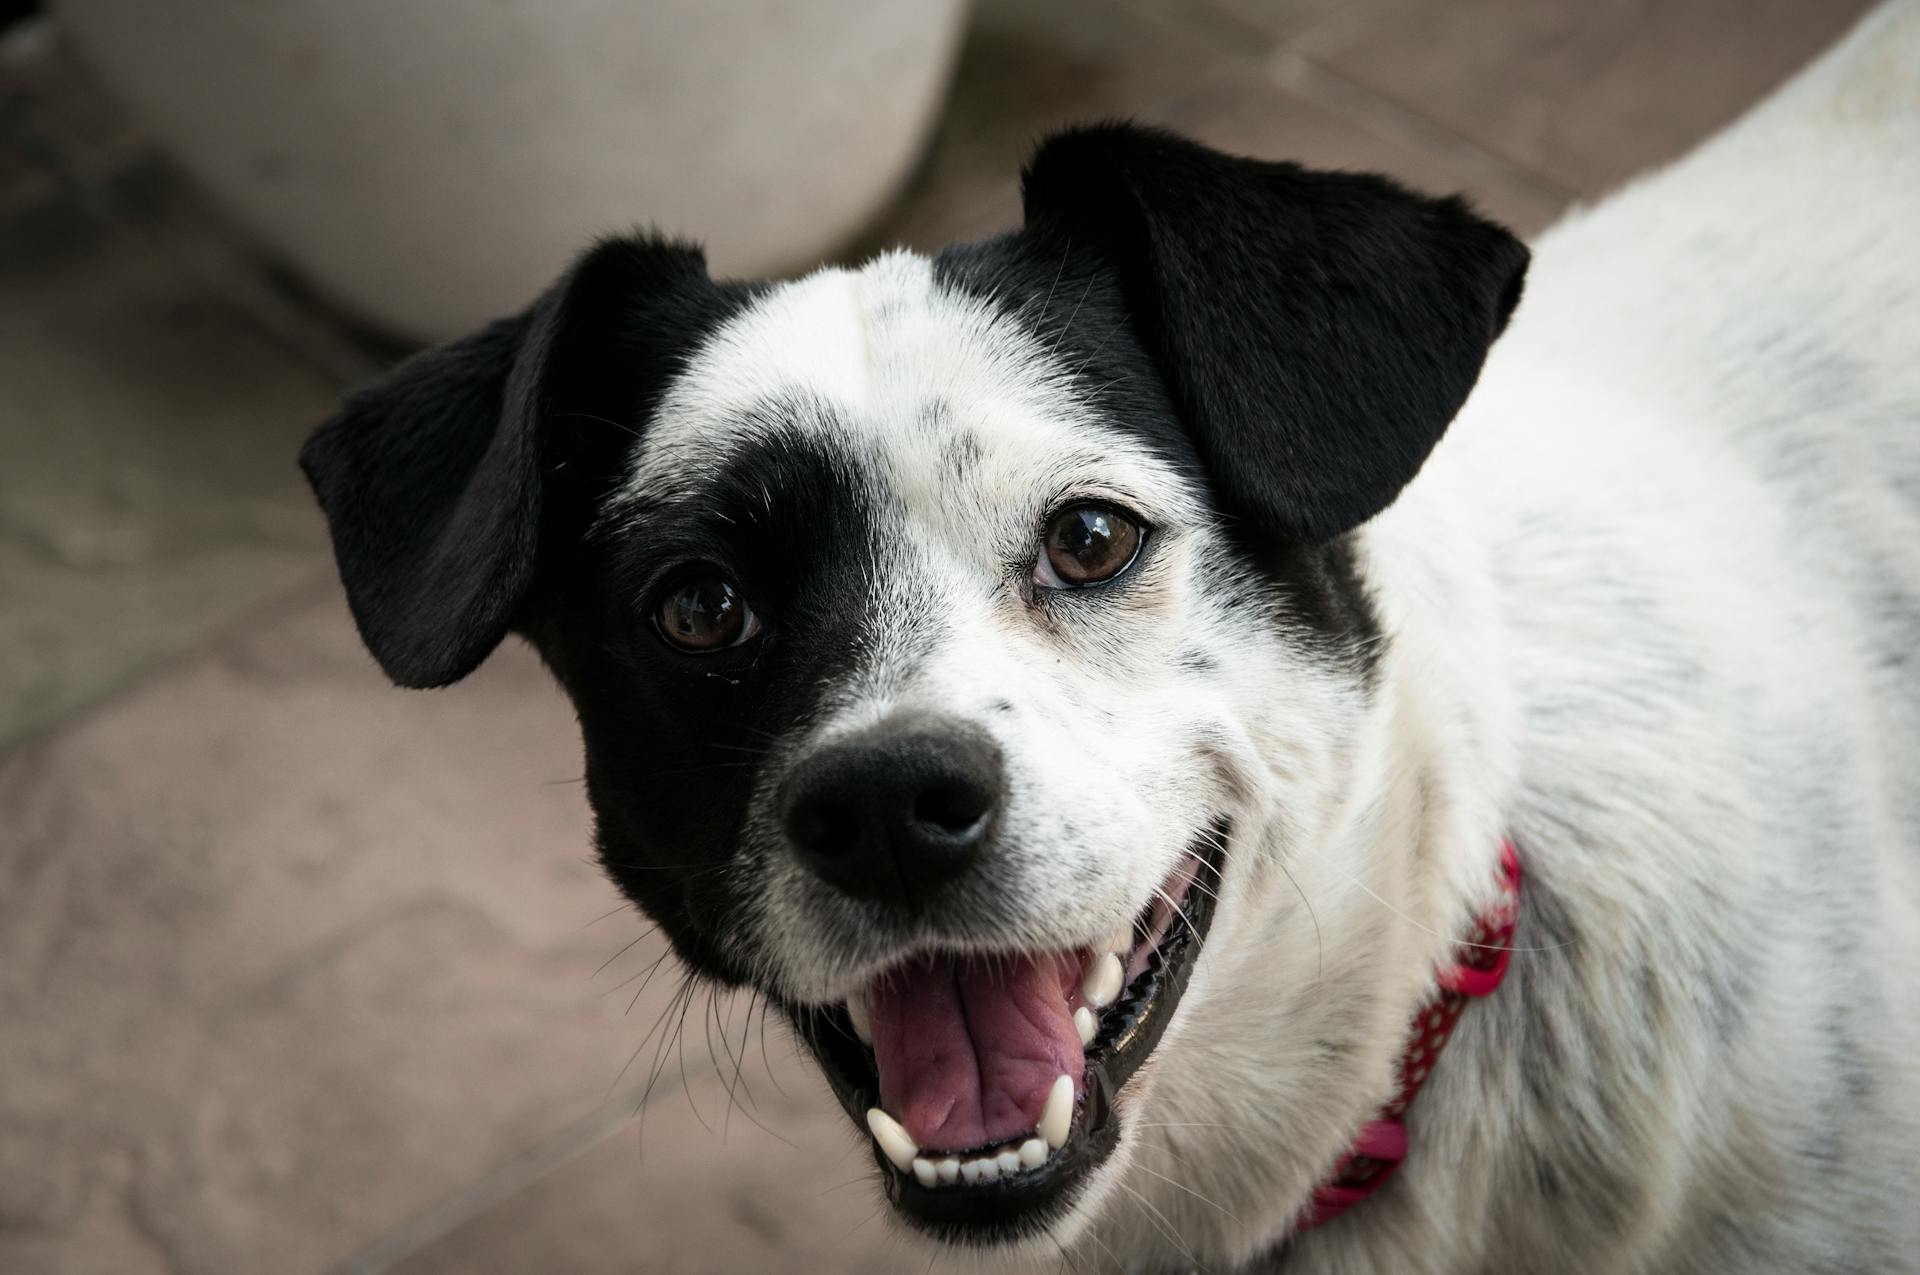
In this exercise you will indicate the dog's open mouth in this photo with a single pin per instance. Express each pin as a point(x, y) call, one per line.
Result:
point(986, 1081)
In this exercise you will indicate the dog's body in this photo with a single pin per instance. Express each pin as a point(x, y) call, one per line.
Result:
point(1649, 611)
point(1656, 607)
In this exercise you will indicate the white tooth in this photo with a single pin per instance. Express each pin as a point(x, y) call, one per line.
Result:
point(1121, 941)
point(1086, 1024)
point(1103, 980)
point(1009, 1161)
point(970, 1170)
point(893, 1139)
point(989, 1170)
point(857, 1011)
point(1033, 1153)
point(1057, 1115)
point(948, 1169)
point(923, 1170)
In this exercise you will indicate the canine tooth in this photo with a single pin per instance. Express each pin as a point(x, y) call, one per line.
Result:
point(857, 1011)
point(947, 1169)
point(1103, 981)
point(1009, 1161)
point(1120, 941)
point(923, 1171)
point(1033, 1153)
point(893, 1139)
point(1057, 1115)
point(1086, 1024)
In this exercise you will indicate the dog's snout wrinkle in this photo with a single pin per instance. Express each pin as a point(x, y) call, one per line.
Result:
point(899, 809)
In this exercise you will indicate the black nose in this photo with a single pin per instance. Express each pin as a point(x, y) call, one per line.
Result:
point(899, 809)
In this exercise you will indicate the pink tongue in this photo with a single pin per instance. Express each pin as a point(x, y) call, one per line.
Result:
point(968, 1047)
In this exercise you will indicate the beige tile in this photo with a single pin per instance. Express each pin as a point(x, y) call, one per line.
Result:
point(1025, 69)
point(1246, 28)
point(1250, 114)
point(158, 386)
point(149, 494)
point(1584, 92)
point(288, 957)
point(682, 1198)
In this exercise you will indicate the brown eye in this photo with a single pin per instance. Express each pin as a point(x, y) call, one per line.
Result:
point(701, 614)
point(1085, 545)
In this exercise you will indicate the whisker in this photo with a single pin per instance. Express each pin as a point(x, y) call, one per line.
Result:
point(1162, 1225)
point(742, 748)
point(1066, 1258)
point(657, 1023)
point(707, 766)
point(765, 1062)
point(624, 906)
point(1181, 1186)
point(692, 869)
point(841, 1187)
point(680, 1054)
point(1124, 320)
point(1485, 947)
point(1118, 1265)
point(658, 1064)
point(622, 952)
point(1084, 293)
point(589, 416)
point(1065, 252)
point(644, 974)
point(1319, 944)
point(1192, 929)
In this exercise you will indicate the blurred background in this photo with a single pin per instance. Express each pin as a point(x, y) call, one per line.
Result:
point(299, 972)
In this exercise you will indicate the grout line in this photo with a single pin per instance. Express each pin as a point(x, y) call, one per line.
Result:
point(550, 1154)
point(1398, 122)
point(19, 735)
point(1221, 30)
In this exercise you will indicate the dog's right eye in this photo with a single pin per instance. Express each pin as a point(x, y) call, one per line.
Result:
point(701, 614)
point(1087, 544)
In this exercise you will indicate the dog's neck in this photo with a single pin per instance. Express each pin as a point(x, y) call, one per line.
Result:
point(1450, 727)
point(1479, 969)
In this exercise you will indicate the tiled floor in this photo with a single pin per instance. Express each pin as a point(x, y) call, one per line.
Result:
point(299, 972)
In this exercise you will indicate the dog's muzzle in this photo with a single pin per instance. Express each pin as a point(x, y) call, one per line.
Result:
point(987, 1081)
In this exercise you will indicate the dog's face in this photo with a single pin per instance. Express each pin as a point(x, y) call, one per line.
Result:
point(959, 645)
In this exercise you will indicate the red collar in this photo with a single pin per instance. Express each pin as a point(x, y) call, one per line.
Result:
point(1382, 1142)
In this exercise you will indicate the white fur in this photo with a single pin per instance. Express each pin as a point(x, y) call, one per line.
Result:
point(1649, 610)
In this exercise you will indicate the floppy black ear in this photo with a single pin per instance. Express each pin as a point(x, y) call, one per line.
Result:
point(1317, 330)
point(449, 484)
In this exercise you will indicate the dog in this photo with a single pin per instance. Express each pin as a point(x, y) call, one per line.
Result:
point(1234, 740)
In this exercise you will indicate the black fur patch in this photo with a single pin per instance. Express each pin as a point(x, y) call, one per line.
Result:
point(1317, 330)
point(451, 485)
point(675, 742)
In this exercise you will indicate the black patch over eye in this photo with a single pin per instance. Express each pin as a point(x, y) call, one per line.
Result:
point(1087, 544)
point(704, 613)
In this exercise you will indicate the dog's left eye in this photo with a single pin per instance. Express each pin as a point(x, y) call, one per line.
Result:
point(704, 613)
point(1085, 545)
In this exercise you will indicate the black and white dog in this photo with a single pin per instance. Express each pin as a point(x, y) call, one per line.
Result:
point(1039, 670)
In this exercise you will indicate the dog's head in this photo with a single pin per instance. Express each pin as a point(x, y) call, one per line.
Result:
point(956, 642)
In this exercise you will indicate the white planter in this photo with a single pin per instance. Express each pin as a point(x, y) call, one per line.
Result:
point(434, 163)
